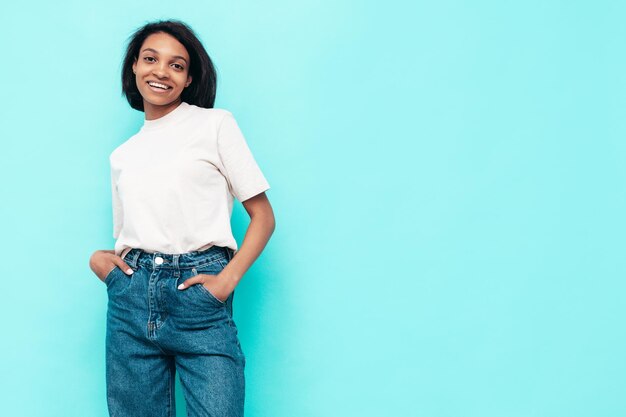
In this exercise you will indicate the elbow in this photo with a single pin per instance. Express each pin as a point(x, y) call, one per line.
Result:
point(270, 221)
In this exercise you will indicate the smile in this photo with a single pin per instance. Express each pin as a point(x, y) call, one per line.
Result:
point(158, 86)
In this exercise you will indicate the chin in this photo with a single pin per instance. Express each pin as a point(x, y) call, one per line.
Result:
point(162, 102)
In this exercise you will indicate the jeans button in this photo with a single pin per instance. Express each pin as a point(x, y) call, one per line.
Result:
point(158, 260)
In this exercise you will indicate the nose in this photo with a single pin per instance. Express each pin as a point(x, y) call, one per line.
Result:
point(160, 70)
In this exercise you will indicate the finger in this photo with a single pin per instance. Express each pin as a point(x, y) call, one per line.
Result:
point(191, 281)
point(124, 266)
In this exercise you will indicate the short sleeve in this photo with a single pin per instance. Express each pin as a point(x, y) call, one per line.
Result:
point(118, 214)
point(244, 177)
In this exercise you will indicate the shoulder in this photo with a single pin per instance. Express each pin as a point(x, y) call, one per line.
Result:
point(214, 113)
point(213, 120)
point(117, 153)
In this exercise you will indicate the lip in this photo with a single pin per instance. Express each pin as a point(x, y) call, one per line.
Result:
point(159, 90)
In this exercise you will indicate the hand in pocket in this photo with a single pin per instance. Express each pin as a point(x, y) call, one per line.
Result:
point(102, 263)
point(212, 283)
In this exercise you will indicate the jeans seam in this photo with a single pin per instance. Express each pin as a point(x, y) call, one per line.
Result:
point(169, 397)
point(107, 276)
point(209, 263)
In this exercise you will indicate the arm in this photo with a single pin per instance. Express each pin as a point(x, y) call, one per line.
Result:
point(244, 178)
point(260, 229)
point(262, 225)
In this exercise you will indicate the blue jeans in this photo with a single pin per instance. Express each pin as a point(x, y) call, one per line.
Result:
point(154, 329)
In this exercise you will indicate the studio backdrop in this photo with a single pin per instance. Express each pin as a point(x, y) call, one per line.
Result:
point(448, 184)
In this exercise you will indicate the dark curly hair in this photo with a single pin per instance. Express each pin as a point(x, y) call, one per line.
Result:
point(202, 89)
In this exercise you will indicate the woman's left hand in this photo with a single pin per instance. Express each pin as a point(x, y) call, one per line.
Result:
point(213, 283)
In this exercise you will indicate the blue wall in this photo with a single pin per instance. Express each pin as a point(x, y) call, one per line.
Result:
point(447, 178)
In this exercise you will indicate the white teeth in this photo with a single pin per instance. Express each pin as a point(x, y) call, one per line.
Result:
point(158, 85)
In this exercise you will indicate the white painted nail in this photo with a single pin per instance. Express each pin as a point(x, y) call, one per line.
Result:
point(129, 271)
point(181, 286)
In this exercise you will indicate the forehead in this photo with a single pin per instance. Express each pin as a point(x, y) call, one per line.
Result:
point(165, 44)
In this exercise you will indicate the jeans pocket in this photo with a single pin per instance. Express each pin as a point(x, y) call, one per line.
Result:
point(109, 277)
point(210, 294)
point(212, 268)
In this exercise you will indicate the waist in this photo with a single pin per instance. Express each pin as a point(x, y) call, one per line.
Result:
point(136, 257)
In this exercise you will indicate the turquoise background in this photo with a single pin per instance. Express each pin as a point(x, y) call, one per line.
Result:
point(448, 184)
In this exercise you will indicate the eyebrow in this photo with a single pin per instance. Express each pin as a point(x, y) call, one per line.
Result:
point(156, 52)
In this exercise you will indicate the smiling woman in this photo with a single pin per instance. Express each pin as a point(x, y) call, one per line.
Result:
point(173, 56)
point(173, 185)
point(161, 73)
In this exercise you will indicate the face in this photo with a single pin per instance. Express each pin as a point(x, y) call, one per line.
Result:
point(161, 70)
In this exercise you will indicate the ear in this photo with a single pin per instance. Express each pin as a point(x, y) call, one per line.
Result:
point(188, 81)
point(135, 67)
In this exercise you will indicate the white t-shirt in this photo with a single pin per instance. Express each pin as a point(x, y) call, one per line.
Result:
point(173, 182)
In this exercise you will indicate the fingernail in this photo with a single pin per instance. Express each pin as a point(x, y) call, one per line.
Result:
point(181, 286)
point(129, 271)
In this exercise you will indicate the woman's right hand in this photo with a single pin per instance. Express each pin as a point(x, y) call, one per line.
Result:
point(102, 262)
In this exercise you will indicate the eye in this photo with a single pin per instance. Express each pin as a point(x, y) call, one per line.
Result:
point(148, 57)
point(179, 66)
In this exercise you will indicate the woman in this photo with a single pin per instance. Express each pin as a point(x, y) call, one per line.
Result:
point(171, 276)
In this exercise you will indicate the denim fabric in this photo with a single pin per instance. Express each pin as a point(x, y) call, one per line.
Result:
point(154, 330)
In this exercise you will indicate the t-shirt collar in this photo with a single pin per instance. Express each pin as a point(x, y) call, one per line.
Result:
point(170, 118)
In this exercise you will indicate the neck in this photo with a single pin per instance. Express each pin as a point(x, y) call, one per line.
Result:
point(153, 111)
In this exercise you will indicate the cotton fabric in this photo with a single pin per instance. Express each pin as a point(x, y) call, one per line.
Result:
point(174, 181)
